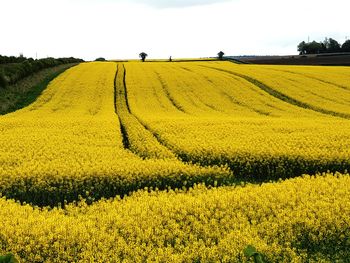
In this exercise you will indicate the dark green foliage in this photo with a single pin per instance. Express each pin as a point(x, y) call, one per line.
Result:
point(100, 59)
point(302, 47)
point(28, 97)
point(221, 55)
point(143, 56)
point(14, 69)
point(310, 48)
point(251, 252)
point(3, 80)
point(8, 258)
point(11, 59)
point(329, 45)
point(346, 46)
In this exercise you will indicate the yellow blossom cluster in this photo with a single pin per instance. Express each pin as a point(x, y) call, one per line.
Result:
point(139, 139)
point(69, 144)
point(101, 130)
point(324, 89)
point(305, 219)
point(263, 121)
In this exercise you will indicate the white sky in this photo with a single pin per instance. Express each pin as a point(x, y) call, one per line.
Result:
point(118, 29)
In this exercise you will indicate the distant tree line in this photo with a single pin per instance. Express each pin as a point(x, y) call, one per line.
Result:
point(12, 69)
point(100, 59)
point(11, 59)
point(329, 45)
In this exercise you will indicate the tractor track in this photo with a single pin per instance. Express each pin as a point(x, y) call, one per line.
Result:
point(282, 96)
point(137, 137)
point(125, 138)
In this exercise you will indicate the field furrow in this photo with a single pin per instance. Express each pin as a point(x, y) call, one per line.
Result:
point(261, 133)
point(139, 140)
point(300, 220)
point(165, 88)
point(334, 76)
point(282, 96)
point(317, 94)
point(159, 161)
point(69, 145)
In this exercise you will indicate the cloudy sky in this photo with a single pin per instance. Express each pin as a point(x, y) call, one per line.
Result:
point(118, 29)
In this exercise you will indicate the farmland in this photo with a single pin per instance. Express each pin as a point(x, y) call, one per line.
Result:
point(179, 162)
point(263, 122)
point(69, 144)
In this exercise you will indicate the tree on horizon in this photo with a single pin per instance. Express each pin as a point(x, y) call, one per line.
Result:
point(143, 56)
point(329, 45)
point(346, 46)
point(221, 55)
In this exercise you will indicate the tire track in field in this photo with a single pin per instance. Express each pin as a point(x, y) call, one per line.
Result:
point(346, 103)
point(140, 122)
point(311, 77)
point(130, 122)
point(199, 99)
point(165, 89)
point(125, 138)
point(136, 136)
point(230, 97)
point(183, 157)
point(282, 96)
point(244, 105)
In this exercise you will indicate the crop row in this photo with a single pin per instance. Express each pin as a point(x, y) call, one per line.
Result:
point(223, 119)
point(139, 139)
point(327, 89)
point(299, 220)
point(261, 149)
point(68, 144)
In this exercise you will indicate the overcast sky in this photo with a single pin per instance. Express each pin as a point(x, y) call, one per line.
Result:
point(117, 29)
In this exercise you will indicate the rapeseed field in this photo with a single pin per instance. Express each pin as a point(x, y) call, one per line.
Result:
point(179, 162)
point(306, 219)
point(264, 122)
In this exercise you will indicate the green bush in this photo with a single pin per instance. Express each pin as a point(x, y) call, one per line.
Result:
point(3, 79)
point(8, 258)
point(13, 69)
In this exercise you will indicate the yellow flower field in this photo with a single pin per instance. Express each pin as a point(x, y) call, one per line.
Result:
point(69, 143)
point(179, 162)
point(230, 120)
point(299, 220)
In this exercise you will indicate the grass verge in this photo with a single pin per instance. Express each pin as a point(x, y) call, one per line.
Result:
point(26, 91)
